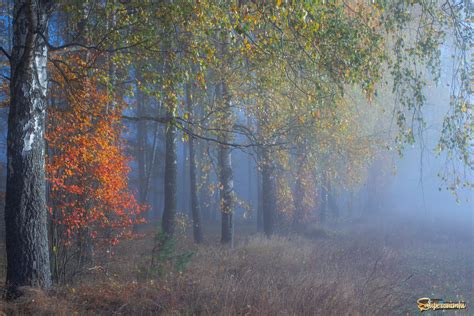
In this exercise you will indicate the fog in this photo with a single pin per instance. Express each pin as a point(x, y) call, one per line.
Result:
point(235, 157)
point(415, 188)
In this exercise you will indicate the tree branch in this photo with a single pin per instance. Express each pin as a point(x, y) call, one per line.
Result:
point(191, 133)
point(77, 45)
point(5, 53)
point(159, 119)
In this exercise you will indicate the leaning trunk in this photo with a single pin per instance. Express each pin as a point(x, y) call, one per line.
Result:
point(25, 206)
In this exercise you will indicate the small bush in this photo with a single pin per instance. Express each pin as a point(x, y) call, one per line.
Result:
point(165, 257)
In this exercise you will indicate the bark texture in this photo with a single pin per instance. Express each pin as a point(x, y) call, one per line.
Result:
point(226, 178)
point(195, 206)
point(169, 210)
point(226, 192)
point(171, 156)
point(25, 207)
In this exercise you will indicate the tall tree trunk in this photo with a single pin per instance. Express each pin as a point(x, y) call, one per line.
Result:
point(185, 183)
point(226, 181)
point(25, 208)
point(268, 194)
point(151, 168)
point(226, 193)
point(157, 191)
point(141, 145)
point(171, 156)
point(195, 206)
point(249, 176)
point(169, 210)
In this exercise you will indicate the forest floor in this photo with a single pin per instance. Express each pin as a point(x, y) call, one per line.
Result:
point(351, 268)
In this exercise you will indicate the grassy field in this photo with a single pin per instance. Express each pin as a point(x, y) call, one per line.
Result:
point(348, 269)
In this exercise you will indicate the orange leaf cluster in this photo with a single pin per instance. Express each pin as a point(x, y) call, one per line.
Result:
point(87, 168)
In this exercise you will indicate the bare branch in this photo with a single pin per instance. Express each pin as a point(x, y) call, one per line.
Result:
point(5, 53)
point(159, 119)
point(191, 133)
point(76, 46)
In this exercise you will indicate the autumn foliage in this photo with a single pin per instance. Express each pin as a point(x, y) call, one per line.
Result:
point(87, 168)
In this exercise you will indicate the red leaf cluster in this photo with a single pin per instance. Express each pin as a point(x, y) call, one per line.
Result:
point(87, 168)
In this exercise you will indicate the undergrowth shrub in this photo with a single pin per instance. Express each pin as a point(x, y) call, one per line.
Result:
point(165, 256)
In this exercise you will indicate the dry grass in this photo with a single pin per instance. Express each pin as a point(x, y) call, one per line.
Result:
point(282, 276)
point(323, 273)
point(289, 275)
point(35, 302)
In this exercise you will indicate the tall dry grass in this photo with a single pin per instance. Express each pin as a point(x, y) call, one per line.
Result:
point(291, 275)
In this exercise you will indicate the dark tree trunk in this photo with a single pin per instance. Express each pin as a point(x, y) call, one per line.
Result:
point(184, 178)
point(171, 156)
point(268, 195)
point(151, 168)
point(195, 206)
point(141, 146)
point(169, 210)
point(226, 180)
point(157, 191)
point(25, 208)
